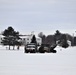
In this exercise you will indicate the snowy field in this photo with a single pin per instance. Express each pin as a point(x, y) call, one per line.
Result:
point(16, 62)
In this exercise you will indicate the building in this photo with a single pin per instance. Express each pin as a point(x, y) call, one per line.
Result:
point(27, 39)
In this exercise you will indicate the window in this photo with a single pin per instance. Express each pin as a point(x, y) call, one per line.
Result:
point(27, 38)
point(27, 42)
point(24, 39)
point(1, 38)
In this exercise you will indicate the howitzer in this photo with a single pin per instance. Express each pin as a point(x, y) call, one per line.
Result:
point(52, 47)
point(44, 48)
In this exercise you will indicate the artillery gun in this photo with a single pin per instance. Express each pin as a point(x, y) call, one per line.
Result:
point(52, 48)
point(48, 48)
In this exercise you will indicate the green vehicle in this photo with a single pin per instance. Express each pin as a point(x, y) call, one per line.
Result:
point(44, 48)
point(32, 48)
point(47, 48)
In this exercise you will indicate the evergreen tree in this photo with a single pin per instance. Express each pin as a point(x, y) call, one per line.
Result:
point(57, 32)
point(11, 37)
point(33, 39)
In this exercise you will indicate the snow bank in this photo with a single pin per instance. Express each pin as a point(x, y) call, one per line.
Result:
point(16, 62)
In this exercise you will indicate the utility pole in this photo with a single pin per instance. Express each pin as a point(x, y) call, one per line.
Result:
point(73, 40)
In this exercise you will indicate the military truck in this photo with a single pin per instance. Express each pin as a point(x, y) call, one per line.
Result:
point(32, 48)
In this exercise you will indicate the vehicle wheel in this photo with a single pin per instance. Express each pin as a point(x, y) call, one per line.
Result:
point(34, 51)
point(26, 51)
point(41, 50)
point(31, 51)
point(53, 51)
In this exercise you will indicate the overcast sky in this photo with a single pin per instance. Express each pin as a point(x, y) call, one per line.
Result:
point(38, 15)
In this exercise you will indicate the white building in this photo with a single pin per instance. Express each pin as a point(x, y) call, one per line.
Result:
point(27, 39)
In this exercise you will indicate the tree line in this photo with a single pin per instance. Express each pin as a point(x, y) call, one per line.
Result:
point(11, 38)
point(57, 36)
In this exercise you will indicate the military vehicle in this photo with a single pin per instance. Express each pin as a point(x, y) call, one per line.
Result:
point(48, 48)
point(44, 48)
point(32, 48)
point(52, 48)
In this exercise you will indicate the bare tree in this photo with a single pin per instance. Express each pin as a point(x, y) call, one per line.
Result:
point(40, 34)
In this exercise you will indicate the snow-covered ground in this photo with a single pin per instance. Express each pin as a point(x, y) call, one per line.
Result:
point(16, 62)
